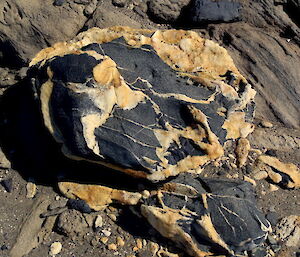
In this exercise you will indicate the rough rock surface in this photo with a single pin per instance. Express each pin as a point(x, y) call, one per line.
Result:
point(166, 10)
point(224, 216)
point(150, 106)
point(28, 26)
point(204, 11)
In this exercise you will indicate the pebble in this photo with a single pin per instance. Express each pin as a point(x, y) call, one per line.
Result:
point(119, 3)
point(260, 175)
point(113, 217)
point(106, 232)
point(145, 194)
point(7, 184)
point(55, 248)
point(98, 222)
point(58, 2)
point(139, 243)
point(112, 247)
point(104, 239)
point(90, 8)
point(120, 241)
point(30, 190)
point(3, 248)
point(273, 188)
point(79, 205)
point(250, 180)
point(266, 124)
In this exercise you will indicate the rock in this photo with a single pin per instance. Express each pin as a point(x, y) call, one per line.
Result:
point(106, 232)
point(167, 11)
point(204, 11)
point(129, 143)
point(98, 222)
point(3, 248)
point(288, 230)
point(104, 240)
point(103, 18)
point(266, 124)
point(112, 247)
point(72, 223)
point(60, 203)
point(79, 205)
point(90, 8)
point(55, 248)
point(30, 190)
point(4, 162)
point(259, 252)
point(58, 2)
point(84, 2)
point(120, 242)
point(206, 221)
point(28, 26)
point(119, 3)
point(284, 174)
point(28, 236)
point(7, 184)
point(242, 151)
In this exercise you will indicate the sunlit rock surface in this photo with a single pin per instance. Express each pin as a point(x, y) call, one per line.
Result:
point(152, 104)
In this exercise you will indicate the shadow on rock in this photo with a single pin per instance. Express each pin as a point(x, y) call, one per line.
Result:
point(34, 153)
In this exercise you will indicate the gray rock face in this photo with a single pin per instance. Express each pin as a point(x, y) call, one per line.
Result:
point(215, 11)
point(28, 26)
point(166, 10)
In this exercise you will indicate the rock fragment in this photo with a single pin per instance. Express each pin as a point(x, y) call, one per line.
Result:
point(242, 151)
point(205, 11)
point(288, 230)
point(119, 3)
point(55, 248)
point(30, 189)
point(98, 222)
point(4, 162)
point(266, 124)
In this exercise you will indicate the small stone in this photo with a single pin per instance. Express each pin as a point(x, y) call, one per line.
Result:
point(250, 180)
point(120, 241)
point(30, 190)
point(272, 240)
point(139, 243)
point(266, 124)
point(7, 184)
point(106, 232)
point(55, 248)
point(104, 239)
point(98, 222)
point(113, 217)
point(4, 162)
point(90, 8)
point(57, 198)
point(112, 247)
point(273, 188)
point(79, 205)
point(94, 242)
point(84, 2)
point(260, 175)
point(58, 2)
point(145, 194)
point(119, 3)
point(3, 248)
point(60, 203)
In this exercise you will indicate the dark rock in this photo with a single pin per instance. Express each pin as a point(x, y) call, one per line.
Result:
point(259, 252)
point(90, 8)
point(58, 2)
point(84, 2)
point(160, 104)
point(7, 184)
point(79, 205)
point(119, 3)
point(72, 223)
point(223, 207)
point(167, 11)
point(3, 248)
point(272, 217)
point(203, 11)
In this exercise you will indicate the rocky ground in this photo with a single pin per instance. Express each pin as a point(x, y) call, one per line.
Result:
point(263, 37)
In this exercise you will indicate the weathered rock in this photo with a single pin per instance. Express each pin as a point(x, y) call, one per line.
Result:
point(55, 248)
point(72, 223)
point(4, 162)
point(288, 230)
point(202, 220)
point(119, 3)
point(28, 26)
point(203, 11)
point(284, 174)
point(166, 10)
point(134, 109)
